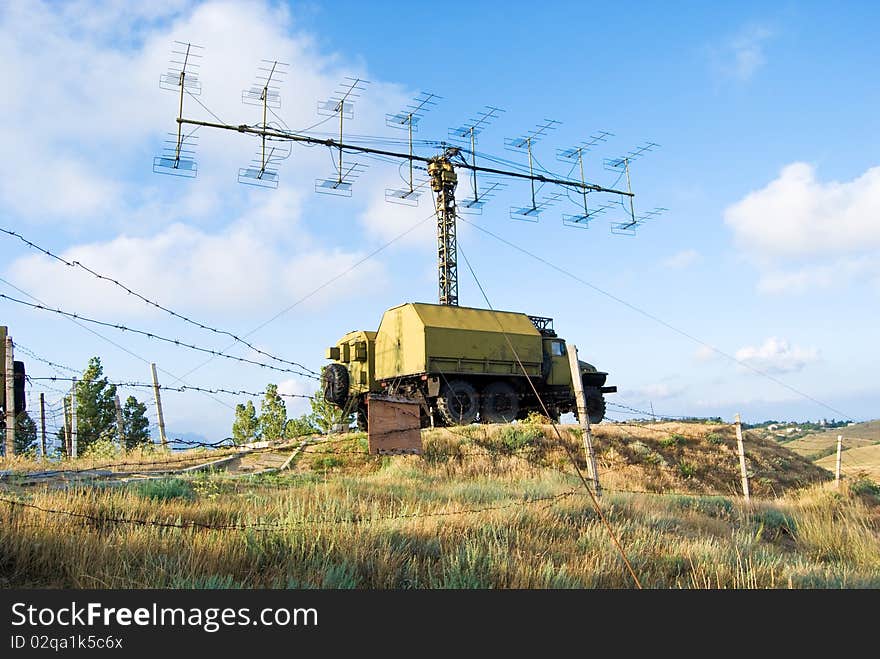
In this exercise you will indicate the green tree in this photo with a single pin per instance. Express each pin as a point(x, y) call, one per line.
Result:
point(25, 433)
point(96, 407)
point(246, 425)
point(299, 427)
point(325, 415)
point(273, 414)
point(135, 424)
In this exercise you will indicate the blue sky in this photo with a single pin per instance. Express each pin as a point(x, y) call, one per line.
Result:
point(767, 117)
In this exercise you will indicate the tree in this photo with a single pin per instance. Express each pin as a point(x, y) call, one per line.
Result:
point(25, 433)
point(246, 425)
point(299, 427)
point(96, 407)
point(273, 414)
point(135, 424)
point(325, 415)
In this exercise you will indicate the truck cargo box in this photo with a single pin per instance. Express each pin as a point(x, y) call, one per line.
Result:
point(416, 338)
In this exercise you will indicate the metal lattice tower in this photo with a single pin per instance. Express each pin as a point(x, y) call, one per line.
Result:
point(443, 182)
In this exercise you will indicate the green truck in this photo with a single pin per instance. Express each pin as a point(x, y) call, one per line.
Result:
point(462, 364)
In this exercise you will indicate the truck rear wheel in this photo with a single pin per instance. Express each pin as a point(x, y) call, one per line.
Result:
point(500, 403)
point(458, 403)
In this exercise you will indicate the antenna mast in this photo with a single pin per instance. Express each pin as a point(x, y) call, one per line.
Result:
point(443, 182)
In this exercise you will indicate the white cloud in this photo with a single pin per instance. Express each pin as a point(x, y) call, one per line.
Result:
point(705, 354)
point(255, 263)
point(740, 56)
point(85, 114)
point(777, 356)
point(297, 387)
point(658, 391)
point(803, 232)
point(682, 259)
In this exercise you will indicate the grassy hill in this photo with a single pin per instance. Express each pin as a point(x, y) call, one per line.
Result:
point(855, 463)
point(483, 507)
point(817, 445)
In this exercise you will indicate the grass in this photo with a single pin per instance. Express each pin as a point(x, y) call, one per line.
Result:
point(855, 461)
point(473, 512)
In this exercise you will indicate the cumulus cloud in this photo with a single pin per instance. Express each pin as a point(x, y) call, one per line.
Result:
point(803, 232)
point(777, 356)
point(682, 259)
point(94, 110)
point(239, 267)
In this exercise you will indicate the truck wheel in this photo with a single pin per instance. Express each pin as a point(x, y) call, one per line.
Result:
point(500, 403)
point(334, 381)
point(458, 403)
point(595, 404)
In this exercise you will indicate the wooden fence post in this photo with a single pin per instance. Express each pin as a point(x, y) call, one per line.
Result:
point(73, 434)
point(162, 437)
point(742, 458)
point(10, 399)
point(583, 416)
point(120, 428)
point(43, 426)
point(837, 467)
point(66, 426)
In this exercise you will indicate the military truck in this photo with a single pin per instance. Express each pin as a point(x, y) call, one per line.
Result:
point(462, 364)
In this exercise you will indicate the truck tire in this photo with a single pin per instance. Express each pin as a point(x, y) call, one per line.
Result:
point(500, 403)
point(334, 381)
point(458, 403)
point(595, 404)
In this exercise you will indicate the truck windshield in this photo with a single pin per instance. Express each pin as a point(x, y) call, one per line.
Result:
point(557, 348)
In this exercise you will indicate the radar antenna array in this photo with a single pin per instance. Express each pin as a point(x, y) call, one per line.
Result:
point(276, 141)
point(178, 157)
point(408, 119)
point(524, 143)
point(341, 104)
point(575, 156)
point(265, 93)
point(467, 134)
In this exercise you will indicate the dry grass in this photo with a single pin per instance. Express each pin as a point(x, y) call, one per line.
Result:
point(474, 512)
point(857, 461)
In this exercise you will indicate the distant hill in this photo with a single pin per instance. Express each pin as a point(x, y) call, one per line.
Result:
point(856, 462)
point(816, 446)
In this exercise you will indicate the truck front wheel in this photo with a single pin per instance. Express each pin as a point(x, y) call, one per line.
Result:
point(458, 403)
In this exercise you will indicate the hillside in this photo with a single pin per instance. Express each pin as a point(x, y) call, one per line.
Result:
point(483, 507)
point(863, 461)
point(817, 445)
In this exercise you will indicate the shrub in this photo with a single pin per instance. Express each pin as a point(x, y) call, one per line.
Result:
point(326, 462)
point(164, 489)
point(686, 469)
point(672, 441)
point(715, 438)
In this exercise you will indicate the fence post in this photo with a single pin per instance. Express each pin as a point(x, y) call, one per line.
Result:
point(742, 458)
point(583, 416)
point(43, 426)
point(73, 433)
point(10, 399)
point(66, 425)
point(837, 467)
point(120, 428)
point(162, 437)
